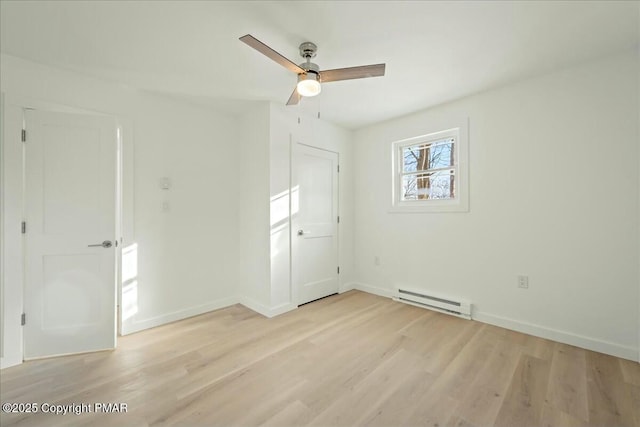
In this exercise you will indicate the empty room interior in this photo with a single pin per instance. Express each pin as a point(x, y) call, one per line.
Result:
point(323, 213)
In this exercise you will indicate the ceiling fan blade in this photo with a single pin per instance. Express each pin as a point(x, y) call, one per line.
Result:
point(294, 98)
point(267, 51)
point(352, 73)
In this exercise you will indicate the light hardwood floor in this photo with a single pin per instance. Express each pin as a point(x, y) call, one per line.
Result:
point(347, 360)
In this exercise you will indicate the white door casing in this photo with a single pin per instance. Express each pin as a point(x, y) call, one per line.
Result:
point(70, 203)
point(314, 210)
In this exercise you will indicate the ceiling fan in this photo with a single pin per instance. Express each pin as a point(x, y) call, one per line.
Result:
point(309, 74)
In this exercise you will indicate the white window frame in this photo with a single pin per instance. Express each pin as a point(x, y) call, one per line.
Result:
point(460, 202)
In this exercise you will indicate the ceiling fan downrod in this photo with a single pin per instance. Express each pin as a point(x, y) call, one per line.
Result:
point(309, 50)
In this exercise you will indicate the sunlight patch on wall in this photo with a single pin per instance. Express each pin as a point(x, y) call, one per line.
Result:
point(129, 281)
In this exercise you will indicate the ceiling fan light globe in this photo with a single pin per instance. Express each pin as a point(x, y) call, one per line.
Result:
point(308, 85)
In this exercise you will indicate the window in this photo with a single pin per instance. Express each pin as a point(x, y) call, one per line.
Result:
point(429, 172)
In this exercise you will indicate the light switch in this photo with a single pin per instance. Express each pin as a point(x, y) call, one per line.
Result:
point(165, 183)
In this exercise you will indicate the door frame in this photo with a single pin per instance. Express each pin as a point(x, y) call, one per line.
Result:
point(13, 213)
point(295, 143)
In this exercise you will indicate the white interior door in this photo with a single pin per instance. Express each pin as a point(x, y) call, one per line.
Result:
point(315, 223)
point(70, 210)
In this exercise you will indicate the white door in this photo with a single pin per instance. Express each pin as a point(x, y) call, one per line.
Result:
point(70, 210)
point(315, 223)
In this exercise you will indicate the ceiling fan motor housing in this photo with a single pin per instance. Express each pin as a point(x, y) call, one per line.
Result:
point(310, 66)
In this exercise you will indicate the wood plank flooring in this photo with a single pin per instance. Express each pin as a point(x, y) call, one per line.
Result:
point(347, 360)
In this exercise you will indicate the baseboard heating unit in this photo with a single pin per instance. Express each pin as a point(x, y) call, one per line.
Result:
point(431, 301)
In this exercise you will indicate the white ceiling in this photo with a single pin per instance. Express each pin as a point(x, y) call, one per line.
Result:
point(434, 51)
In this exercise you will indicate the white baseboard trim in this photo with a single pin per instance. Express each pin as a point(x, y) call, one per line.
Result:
point(254, 305)
point(346, 287)
point(281, 309)
point(139, 325)
point(7, 362)
point(265, 310)
point(387, 293)
point(564, 337)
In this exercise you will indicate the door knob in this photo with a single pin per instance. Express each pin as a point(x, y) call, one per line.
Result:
point(105, 244)
point(300, 232)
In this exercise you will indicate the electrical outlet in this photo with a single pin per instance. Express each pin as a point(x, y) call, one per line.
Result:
point(523, 282)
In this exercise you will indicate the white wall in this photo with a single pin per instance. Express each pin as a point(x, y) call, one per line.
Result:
point(186, 257)
point(187, 260)
point(254, 274)
point(282, 126)
point(554, 195)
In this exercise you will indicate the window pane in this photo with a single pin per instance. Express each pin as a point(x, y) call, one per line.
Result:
point(428, 186)
point(410, 157)
point(442, 155)
point(435, 155)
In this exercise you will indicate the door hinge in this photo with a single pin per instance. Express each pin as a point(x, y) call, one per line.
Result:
point(23, 136)
point(338, 219)
point(23, 319)
point(338, 168)
point(24, 227)
point(338, 270)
